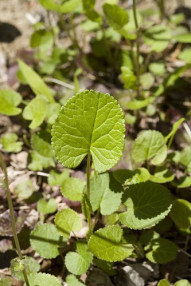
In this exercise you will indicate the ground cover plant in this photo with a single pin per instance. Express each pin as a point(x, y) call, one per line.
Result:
point(101, 117)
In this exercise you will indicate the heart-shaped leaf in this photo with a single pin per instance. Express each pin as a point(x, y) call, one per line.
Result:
point(9, 100)
point(107, 244)
point(147, 203)
point(47, 207)
point(90, 122)
point(72, 188)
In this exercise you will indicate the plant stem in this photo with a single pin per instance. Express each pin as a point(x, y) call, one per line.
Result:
point(88, 189)
point(137, 47)
point(13, 224)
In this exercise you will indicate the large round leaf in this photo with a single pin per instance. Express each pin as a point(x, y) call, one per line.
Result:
point(90, 122)
point(106, 243)
point(147, 203)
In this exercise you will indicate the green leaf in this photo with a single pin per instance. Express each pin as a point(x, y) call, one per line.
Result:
point(162, 175)
point(50, 5)
point(157, 68)
point(185, 156)
point(147, 203)
point(103, 195)
point(183, 38)
point(116, 16)
point(157, 37)
point(137, 176)
point(182, 282)
point(46, 207)
point(185, 55)
point(78, 263)
point(67, 221)
point(30, 265)
point(24, 190)
point(43, 279)
point(35, 82)
point(41, 143)
point(57, 179)
point(163, 282)
point(181, 215)
point(86, 206)
point(39, 162)
point(70, 6)
point(5, 281)
point(52, 112)
point(128, 78)
point(163, 251)
point(42, 39)
point(184, 182)
point(146, 80)
point(107, 244)
point(150, 145)
point(175, 127)
point(71, 280)
point(10, 144)
point(138, 103)
point(45, 240)
point(72, 188)
point(88, 6)
point(9, 100)
point(35, 111)
point(97, 127)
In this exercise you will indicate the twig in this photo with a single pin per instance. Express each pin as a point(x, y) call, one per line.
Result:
point(57, 81)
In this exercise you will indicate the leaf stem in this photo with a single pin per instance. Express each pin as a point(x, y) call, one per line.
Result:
point(88, 188)
point(137, 47)
point(13, 224)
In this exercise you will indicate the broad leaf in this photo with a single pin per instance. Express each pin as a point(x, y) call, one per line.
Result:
point(57, 179)
point(43, 279)
point(9, 100)
point(157, 37)
point(52, 112)
point(72, 188)
point(35, 111)
point(163, 251)
point(185, 55)
point(163, 282)
point(45, 240)
point(103, 195)
point(182, 282)
point(137, 176)
point(116, 16)
point(41, 143)
point(150, 145)
point(97, 127)
point(70, 6)
point(107, 244)
point(35, 82)
point(47, 207)
point(10, 143)
point(50, 5)
point(146, 80)
point(147, 204)
point(30, 265)
point(183, 38)
point(67, 221)
point(185, 156)
point(24, 189)
point(157, 68)
point(71, 280)
point(184, 182)
point(162, 175)
point(181, 215)
point(79, 262)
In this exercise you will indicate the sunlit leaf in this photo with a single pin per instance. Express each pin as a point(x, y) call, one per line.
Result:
point(9, 100)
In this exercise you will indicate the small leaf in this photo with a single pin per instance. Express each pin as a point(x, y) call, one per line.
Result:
point(147, 203)
point(150, 145)
point(78, 263)
point(116, 16)
point(103, 195)
point(175, 127)
point(46, 207)
point(52, 112)
point(147, 80)
point(184, 182)
point(72, 188)
point(163, 282)
point(10, 144)
point(71, 280)
point(50, 5)
point(24, 190)
point(35, 111)
point(97, 127)
point(183, 38)
point(70, 6)
point(137, 176)
point(5, 281)
point(43, 279)
point(128, 78)
point(30, 265)
point(182, 282)
point(57, 179)
point(162, 175)
point(45, 240)
point(185, 156)
point(157, 37)
point(138, 103)
point(107, 244)
point(163, 251)
point(181, 215)
point(185, 55)
point(40, 162)
point(157, 68)
point(35, 82)
point(9, 100)
point(41, 143)
point(67, 221)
